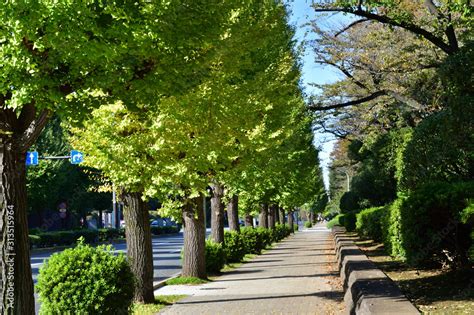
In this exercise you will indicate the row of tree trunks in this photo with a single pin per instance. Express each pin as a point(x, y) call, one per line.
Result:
point(282, 215)
point(16, 283)
point(233, 214)
point(139, 247)
point(271, 216)
point(277, 214)
point(291, 221)
point(248, 220)
point(217, 213)
point(194, 250)
point(263, 218)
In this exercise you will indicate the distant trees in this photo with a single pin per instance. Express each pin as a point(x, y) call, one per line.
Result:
point(403, 114)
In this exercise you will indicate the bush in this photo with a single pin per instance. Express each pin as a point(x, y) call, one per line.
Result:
point(394, 239)
point(349, 202)
point(215, 257)
point(265, 237)
point(281, 231)
point(373, 223)
point(110, 234)
point(252, 242)
point(65, 238)
point(431, 228)
point(158, 230)
point(92, 280)
point(34, 240)
point(234, 246)
point(308, 224)
point(346, 220)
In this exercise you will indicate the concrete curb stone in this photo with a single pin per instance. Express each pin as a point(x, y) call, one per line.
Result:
point(368, 289)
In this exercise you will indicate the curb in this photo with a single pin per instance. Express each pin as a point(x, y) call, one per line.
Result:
point(368, 289)
point(162, 283)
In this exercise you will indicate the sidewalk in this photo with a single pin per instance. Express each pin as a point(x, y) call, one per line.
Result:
point(298, 276)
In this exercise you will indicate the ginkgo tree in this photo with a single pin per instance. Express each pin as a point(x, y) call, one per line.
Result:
point(67, 58)
point(174, 146)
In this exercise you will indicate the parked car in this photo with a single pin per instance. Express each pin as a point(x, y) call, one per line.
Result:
point(158, 222)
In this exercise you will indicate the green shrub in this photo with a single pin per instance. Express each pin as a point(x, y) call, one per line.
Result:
point(373, 223)
point(215, 257)
point(110, 234)
point(281, 231)
point(394, 239)
point(234, 246)
point(335, 221)
point(158, 230)
point(252, 242)
point(92, 280)
point(308, 224)
point(431, 226)
point(265, 237)
point(349, 202)
point(34, 240)
point(65, 238)
point(346, 220)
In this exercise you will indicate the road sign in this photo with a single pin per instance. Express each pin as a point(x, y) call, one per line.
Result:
point(76, 157)
point(32, 158)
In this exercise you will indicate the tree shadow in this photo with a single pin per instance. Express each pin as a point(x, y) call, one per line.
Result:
point(330, 295)
point(455, 285)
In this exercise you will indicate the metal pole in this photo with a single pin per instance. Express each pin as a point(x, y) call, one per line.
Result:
point(114, 209)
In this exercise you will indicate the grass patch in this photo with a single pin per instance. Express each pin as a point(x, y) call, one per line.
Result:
point(249, 257)
point(160, 302)
point(230, 267)
point(186, 280)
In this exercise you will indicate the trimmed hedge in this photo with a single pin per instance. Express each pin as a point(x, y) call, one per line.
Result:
point(237, 245)
point(215, 257)
point(347, 220)
point(70, 237)
point(63, 238)
point(159, 230)
point(111, 234)
point(373, 223)
point(431, 225)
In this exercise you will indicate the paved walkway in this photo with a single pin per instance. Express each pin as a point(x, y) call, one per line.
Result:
point(298, 276)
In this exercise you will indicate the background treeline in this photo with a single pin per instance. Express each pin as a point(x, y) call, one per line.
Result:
point(403, 166)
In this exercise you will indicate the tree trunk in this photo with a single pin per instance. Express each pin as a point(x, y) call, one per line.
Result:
point(282, 215)
point(194, 250)
point(217, 214)
point(16, 284)
point(311, 216)
point(139, 248)
point(248, 220)
point(233, 214)
point(271, 216)
point(277, 214)
point(263, 219)
point(291, 221)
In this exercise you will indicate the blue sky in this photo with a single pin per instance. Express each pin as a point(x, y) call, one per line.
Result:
point(302, 13)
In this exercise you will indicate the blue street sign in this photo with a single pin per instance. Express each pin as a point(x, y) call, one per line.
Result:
point(32, 158)
point(76, 157)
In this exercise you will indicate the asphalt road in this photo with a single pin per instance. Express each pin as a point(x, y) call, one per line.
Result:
point(166, 258)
